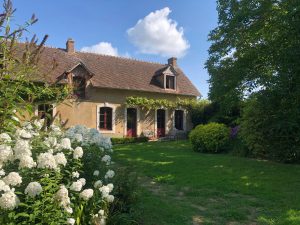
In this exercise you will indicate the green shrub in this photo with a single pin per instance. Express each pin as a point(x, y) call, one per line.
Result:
point(270, 126)
point(121, 211)
point(212, 138)
point(128, 140)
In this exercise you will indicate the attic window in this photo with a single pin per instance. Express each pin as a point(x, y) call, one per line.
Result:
point(79, 87)
point(170, 82)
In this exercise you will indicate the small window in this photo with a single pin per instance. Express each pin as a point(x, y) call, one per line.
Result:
point(79, 87)
point(170, 82)
point(45, 111)
point(105, 122)
point(179, 119)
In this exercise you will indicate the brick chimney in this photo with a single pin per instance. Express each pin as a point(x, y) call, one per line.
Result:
point(70, 46)
point(172, 61)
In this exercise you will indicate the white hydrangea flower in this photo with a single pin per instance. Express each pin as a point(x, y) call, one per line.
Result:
point(109, 198)
point(3, 186)
point(106, 159)
point(9, 200)
point(109, 174)
point(50, 142)
point(5, 138)
point(60, 159)
point(71, 221)
point(96, 173)
point(38, 123)
point(62, 197)
point(86, 194)
point(105, 190)
point(78, 137)
point(75, 174)
point(101, 212)
point(69, 209)
point(55, 130)
point(27, 125)
point(98, 184)
point(27, 162)
point(24, 134)
point(76, 186)
point(65, 143)
point(6, 153)
point(78, 153)
point(15, 118)
point(46, 160)
point(2, 173)
point(83, 181)
point(21, 148)
point(33, 189)
point(110, 186)
point(13, 179)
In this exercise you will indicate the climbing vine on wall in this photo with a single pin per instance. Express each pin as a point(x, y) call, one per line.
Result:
point(149, 103)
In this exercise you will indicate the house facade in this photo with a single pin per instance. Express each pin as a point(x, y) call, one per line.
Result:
point(101, 85)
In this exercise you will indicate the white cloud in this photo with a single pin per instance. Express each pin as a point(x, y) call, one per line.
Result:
point(158, 34)
point(105, 48)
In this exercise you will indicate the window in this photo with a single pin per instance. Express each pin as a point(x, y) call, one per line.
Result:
point(45, 111)
point(105, 122)
point(179, 119)
point(170, 82)
point(79, 87)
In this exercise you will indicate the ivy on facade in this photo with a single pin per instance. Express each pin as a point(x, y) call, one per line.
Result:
point(149, 103)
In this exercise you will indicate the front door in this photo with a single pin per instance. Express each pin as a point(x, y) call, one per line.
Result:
point(161, 122)
point(131, 122)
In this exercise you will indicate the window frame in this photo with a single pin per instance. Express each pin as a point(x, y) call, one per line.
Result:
point(113, 112)
point(107, 118)
point(168, 83)
point(183, 119)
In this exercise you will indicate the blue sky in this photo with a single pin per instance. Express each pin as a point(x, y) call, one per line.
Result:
point(104, 26)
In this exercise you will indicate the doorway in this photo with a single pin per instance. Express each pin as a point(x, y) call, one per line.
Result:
point(131, 122)
point(161, 122)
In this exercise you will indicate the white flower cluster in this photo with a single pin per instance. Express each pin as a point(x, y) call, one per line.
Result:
point(54, 152)
point(62, 197)
point(88, 136)
point(106, 159)
point(109, 174)
point(33, 189)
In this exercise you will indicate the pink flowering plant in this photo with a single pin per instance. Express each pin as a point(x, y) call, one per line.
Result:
point(55, 176)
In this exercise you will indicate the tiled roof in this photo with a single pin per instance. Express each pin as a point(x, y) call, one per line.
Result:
point(111, 72)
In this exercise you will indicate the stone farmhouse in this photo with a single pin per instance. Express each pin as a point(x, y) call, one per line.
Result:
point(101, 84)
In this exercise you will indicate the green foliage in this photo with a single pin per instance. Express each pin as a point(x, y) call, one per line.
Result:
point(248, 51)
point(272, 130)
point(20, 80)
point(125, 191)
point(212, 138)
point(128, 140)
point(149, 103)
point(254, 54)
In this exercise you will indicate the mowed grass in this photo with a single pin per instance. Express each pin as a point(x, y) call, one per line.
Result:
point(179, 186)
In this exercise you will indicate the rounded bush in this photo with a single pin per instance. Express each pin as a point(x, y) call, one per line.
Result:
point(211, 138)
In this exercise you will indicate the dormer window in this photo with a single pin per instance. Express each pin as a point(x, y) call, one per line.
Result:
point(79, 84)
point(170, 82)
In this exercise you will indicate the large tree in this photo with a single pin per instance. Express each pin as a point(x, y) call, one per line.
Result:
point(255, 46)
point(254, 60)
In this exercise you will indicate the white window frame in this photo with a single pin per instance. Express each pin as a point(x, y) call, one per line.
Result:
point(113, 107)
point(36, 111)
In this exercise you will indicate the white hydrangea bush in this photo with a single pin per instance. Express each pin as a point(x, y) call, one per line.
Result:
point(55, 175)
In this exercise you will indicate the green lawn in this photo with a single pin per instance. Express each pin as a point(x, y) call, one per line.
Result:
point(179, 186)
